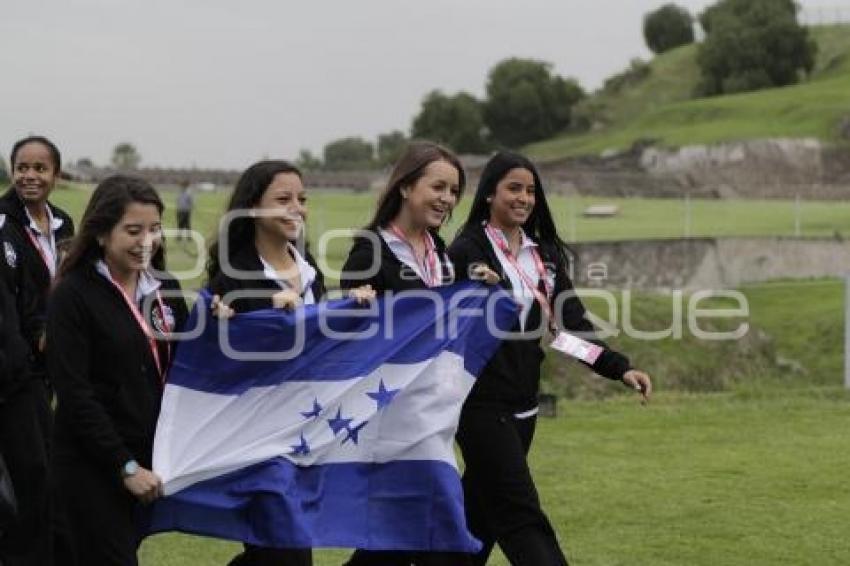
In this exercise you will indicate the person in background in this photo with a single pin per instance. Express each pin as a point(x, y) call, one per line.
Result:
point(36, 232)
point(510, 229)
point(185, 204)
point(109, 323)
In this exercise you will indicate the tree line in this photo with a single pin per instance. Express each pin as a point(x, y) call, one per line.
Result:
point(748, 45)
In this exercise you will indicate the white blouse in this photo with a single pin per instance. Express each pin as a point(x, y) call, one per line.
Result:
point(306, 271)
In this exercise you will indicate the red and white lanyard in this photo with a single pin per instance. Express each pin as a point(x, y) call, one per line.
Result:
point(40, 249)
point(542, 299)
point(146, 329)
point(429, 265)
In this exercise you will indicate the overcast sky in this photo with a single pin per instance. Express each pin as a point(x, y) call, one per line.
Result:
point(220, 83)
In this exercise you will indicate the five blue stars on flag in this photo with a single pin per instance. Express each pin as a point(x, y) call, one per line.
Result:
point(383, 397)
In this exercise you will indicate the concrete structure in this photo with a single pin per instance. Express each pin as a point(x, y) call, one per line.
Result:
point(705, 263)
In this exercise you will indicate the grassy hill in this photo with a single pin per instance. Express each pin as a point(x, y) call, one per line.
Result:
point(660, 106)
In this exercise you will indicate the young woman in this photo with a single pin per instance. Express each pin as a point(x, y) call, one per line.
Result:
point(108, 324)
point(510, 229)
point(40, 230)
point(35, 232)
point(257, 252)
point(424, 187)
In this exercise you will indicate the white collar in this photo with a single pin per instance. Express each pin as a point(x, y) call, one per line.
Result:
point(147, 282)
point(390, 236)
point(525, 241)
point(307, 271)
point(54, 222)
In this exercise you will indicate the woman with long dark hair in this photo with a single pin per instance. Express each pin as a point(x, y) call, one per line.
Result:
point(400, 249)
point(510, 229)
point(257, 252)
point(109, 321)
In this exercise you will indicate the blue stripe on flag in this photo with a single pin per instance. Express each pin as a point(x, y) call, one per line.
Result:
point(369, 421)
point(406, 505)
point(200, 364)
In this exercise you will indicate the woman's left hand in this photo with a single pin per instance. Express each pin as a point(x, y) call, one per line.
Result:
point(640, 381)
point(363, 294)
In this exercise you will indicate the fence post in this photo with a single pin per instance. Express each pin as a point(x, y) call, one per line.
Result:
point(797, 229)
point(847, 331)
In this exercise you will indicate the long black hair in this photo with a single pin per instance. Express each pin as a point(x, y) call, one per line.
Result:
point(106, 207)
point(540, 226)
point(239, 232)
point(408, 169)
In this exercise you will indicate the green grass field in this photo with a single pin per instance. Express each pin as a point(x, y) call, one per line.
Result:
point(800, 320)
point(750, 470)
point(752, 478)
point(638, 218)
point(660, 107)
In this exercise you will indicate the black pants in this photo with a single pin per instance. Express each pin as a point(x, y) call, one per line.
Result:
point(502, 505)
point(97, 514)
point(390, 558)
point(259, 556)
point(184, 220)
point(25, 429)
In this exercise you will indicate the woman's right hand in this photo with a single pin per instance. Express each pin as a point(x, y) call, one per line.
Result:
point(219, 309)
point(286, 299)
point(145, 485)
point(481, 272)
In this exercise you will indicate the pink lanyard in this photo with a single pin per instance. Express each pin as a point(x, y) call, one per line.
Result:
point(429, 265)
point(146, 329)
point(497, 237)
point(38, 247)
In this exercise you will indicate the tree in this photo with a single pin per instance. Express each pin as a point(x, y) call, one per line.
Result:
point(349, 153)
point(306, 161)
point(526, 102)
point(667, 27)
point(455, 121)
point(125, 156)
point(390, 146)
point(753, 44)
point(4, 173)
point(85, 163)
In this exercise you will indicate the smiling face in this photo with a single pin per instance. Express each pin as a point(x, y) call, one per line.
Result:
point(432, 197)
point(134, 240)
point(34, 172)
point(513, 199)
point(282, 209)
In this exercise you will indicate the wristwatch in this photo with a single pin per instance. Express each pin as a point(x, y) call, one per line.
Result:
point(129, 469)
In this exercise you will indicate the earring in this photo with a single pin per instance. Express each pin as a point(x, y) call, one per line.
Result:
point(489, 199)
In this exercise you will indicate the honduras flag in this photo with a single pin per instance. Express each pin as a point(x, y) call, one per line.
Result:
point(328, 426)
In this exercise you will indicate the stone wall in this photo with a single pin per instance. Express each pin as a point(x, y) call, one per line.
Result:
point(706, 263)
point(767, 168)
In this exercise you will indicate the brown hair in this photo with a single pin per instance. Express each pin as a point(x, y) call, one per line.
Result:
point(408, 169)
point(106, 207)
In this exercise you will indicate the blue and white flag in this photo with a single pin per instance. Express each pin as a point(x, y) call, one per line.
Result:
point(349, 443)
